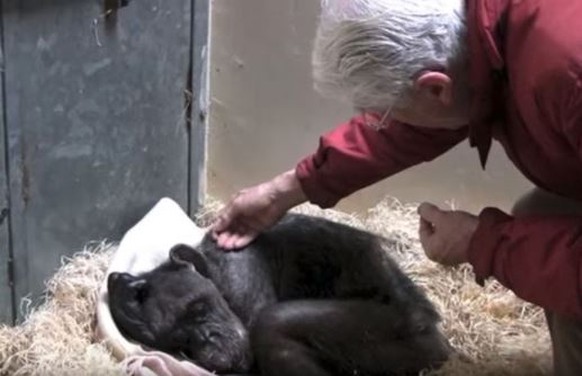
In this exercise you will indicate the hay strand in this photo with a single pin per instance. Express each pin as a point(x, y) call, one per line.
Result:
point(494, 332)
point(57, 337)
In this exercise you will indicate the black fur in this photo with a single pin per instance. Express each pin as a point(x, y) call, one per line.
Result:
point(307, 297)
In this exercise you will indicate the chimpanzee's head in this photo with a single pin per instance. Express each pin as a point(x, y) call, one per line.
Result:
point(177, 309)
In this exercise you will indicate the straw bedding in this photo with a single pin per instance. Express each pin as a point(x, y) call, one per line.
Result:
point(494, 332)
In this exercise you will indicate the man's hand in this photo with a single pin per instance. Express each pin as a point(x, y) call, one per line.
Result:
point(445, 235)
point(255, 209)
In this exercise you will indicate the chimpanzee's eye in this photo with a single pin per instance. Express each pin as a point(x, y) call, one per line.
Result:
point(198, 308)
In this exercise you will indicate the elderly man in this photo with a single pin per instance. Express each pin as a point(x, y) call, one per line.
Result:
point(425, 75)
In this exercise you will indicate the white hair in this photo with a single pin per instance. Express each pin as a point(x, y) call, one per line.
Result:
point(369, 51)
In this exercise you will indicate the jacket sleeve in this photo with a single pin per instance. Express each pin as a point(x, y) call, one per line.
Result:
point(355, 155)
point(539, 257)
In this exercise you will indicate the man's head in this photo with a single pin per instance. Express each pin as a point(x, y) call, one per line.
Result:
point(176, 309)
point(403, 56)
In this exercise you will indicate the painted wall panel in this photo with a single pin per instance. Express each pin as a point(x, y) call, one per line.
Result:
point(95, 122)
point(265, 115)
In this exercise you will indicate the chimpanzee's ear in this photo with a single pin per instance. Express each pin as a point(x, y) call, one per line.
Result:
point(184, 254)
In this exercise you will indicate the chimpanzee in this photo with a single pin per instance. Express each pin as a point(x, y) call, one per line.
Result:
point(308, 297)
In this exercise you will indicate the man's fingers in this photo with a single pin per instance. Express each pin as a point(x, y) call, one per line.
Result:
point(223, 238)
point(244, 240)
point(230, 243)
point(430, 212)
point(429, 239)
point(225, 219)
point(425, 229)
point(237, 236)
point(222, 221)
point(425, 232)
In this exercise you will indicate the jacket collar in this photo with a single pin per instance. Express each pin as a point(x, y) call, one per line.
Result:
point(485, 22)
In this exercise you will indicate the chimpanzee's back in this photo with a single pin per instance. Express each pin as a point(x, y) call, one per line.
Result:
point(304, 257)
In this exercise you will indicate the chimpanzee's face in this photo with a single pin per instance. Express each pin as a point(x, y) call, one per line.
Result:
point(178, 310)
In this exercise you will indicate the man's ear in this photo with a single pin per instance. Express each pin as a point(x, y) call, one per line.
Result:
point(434, 85)
point(184, 254)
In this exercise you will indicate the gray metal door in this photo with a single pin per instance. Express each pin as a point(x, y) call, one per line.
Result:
point(6, 299)
point(97, 128)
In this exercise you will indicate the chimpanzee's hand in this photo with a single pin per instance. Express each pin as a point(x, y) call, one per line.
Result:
point(255, 209)
point(445, 235)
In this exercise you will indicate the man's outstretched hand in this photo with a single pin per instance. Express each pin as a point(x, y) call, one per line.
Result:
point(253, 210)
point(445, 235)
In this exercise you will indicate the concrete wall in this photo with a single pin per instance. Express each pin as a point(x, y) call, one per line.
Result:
point(265, 115)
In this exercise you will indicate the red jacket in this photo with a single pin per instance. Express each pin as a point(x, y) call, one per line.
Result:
point(526, 75)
